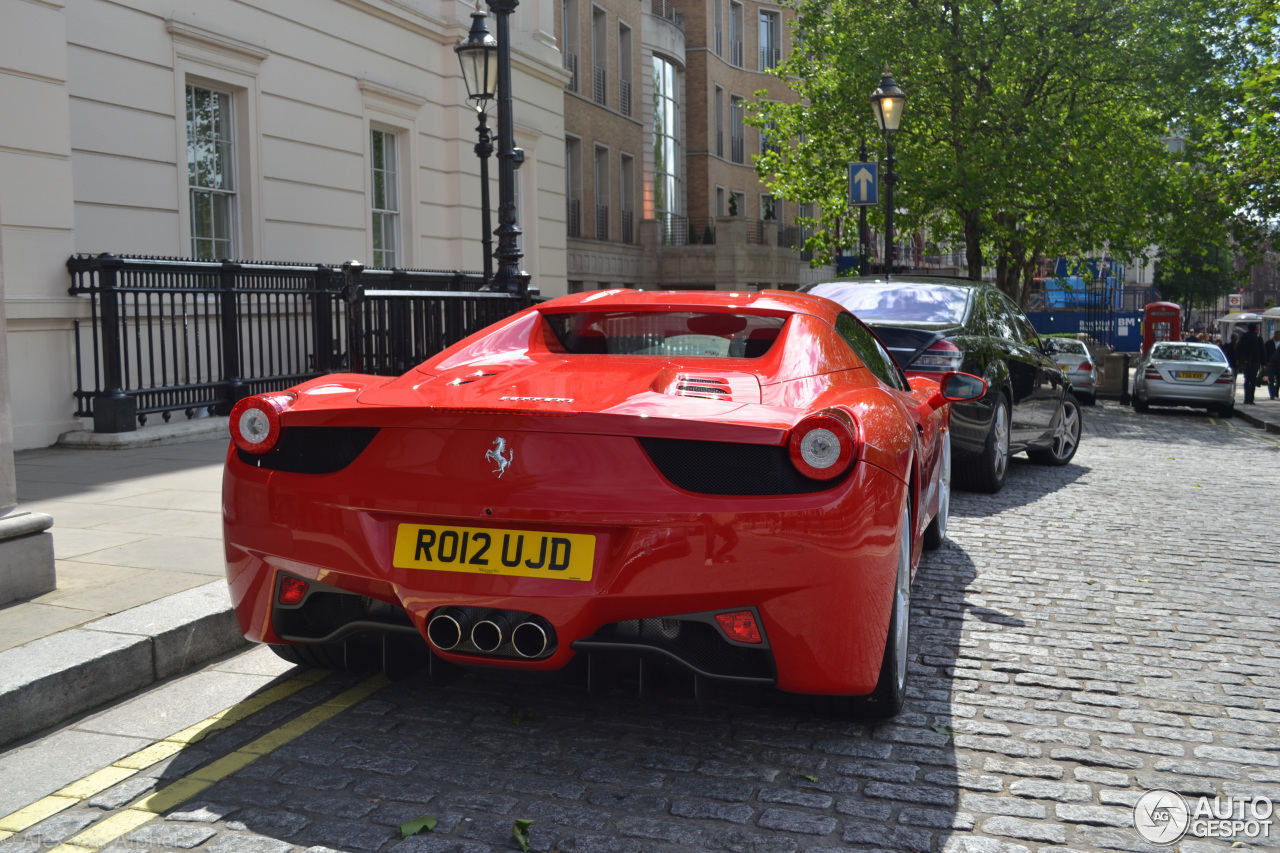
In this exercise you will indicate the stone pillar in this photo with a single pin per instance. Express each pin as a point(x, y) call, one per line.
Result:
point(26, 548)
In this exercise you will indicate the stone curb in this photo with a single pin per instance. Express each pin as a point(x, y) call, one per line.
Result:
point(199, 429)
point(56, 677)
point(1261, 423)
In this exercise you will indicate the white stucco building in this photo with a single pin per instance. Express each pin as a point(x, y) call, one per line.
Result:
point(309, 131)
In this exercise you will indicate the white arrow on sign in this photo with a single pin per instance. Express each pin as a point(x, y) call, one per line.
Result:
point(862, 177)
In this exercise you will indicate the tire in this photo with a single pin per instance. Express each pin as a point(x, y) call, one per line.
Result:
point(1091, 400)
point(1227, 411)
point(322, 655)
point(987, 472)
point(1140, 405)
point(937, 529)
point(1066, 435)
point(891, 688)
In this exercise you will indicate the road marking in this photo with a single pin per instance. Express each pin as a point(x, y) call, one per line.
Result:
point(1248, 433)
point(99, 781)
point(176, 793)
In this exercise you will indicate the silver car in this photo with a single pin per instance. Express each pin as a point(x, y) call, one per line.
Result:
point(1184, 374)
point(1078, 366)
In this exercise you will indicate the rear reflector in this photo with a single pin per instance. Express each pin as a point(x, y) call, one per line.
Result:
point(739, 626)
point(292, 591)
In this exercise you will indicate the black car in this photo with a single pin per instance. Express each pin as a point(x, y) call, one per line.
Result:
point(932, 325)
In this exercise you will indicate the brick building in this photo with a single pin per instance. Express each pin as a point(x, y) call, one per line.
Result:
point(659, 184)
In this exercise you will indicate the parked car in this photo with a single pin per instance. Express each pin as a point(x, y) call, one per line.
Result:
point(1184, 374)
point(935, 325)
point(1078, 366)
point(736, 483)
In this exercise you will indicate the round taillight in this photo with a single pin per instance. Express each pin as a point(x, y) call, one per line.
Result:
point(822, 446)
point(255, 422)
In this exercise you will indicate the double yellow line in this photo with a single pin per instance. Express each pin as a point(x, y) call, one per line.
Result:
point(117, 825)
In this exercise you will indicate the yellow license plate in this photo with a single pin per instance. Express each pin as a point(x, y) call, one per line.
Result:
point(1185, 374)
point(476, 550)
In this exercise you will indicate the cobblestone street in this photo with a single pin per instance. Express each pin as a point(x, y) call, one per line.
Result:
point(1091, 632)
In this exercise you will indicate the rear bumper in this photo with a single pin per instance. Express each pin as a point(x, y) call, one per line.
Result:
point(1173, 393)
point(818, 568)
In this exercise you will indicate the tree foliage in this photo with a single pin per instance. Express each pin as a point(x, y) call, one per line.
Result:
point(1032, 129)
point(1196, 276)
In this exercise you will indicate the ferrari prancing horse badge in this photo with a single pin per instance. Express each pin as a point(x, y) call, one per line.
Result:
point(497, 457)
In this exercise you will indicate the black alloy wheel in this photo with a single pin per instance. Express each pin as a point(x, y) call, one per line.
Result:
point(987, 472)
point(1066, 435)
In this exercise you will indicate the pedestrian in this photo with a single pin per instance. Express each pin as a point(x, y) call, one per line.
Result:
point(1248, 359)
point(1230, 350)
point(1271, 364)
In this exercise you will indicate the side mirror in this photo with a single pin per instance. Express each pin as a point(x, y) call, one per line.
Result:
point(956, 387)
point(962, 387)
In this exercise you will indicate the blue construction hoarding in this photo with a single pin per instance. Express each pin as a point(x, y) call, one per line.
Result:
point(1123, 329)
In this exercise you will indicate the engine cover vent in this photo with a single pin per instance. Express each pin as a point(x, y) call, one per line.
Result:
point(708, 387)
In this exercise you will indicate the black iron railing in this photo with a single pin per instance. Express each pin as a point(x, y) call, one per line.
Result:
point(600, 85)
point(571, 65)
point(174, 335)
point(663, 9)
point(675, 230)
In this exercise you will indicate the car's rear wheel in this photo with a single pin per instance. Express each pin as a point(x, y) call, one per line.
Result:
point(1227, 411)
point(891, 688)
point(988, 471)
point(323, 655)
point(358, 653)
point(937, 529)
point(1090, 400)
point(1139, 404)
point(1066, 435)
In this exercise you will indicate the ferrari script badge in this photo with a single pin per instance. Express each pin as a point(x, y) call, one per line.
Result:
point(500, 455)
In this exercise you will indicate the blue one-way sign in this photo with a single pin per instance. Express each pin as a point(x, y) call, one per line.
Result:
point(864, 184)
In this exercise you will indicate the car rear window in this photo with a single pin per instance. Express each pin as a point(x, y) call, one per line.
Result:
point(1070, 346)
point(898, 301)
point(1182, 352)
point(682, 334)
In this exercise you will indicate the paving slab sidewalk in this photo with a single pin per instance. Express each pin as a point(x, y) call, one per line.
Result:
point(140, 589)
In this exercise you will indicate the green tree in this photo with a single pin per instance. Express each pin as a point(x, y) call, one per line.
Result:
point(1196, 276)
point(1032, 128)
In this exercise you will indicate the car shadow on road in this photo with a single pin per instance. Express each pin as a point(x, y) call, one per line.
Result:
point(1026, 483)
point(745, 769)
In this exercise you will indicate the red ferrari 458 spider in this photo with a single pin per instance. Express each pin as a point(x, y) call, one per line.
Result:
point(735, 483)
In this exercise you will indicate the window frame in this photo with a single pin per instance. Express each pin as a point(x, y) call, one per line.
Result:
point(228, 190)
point(389, 218)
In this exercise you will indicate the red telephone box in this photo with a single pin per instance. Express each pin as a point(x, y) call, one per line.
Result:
point(1161, 321)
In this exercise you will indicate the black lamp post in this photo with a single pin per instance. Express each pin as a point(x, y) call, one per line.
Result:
point(864, 238)
point(478, 56)
point(887, 101)
point(510, 277)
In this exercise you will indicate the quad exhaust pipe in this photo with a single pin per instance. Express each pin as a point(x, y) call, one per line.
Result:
point(452, 626)
point(529, 640)
point(448, 627)
point(489, 634)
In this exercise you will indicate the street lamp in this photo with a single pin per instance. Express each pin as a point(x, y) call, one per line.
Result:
point(887, 101)
point(510, 277)
point(478, 56)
